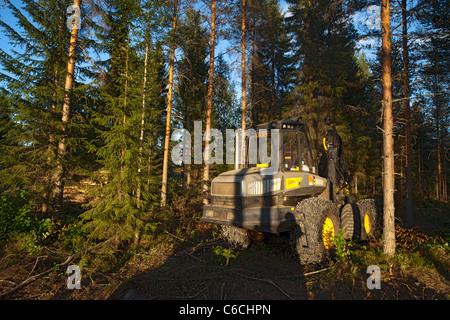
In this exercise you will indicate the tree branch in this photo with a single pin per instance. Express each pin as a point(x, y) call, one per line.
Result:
point(40, 275)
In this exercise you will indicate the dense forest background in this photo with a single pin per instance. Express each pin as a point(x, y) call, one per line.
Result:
point(82, 152)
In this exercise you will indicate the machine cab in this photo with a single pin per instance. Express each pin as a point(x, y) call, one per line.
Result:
point(294, 149)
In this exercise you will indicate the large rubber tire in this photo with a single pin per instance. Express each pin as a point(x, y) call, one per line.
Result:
point(351, 221)
point(307, 238)
point(236, 237)
point(371, 212)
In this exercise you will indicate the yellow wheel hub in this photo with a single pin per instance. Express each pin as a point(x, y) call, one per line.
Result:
point(367, 223)
point(255, 235)
point(328, 233)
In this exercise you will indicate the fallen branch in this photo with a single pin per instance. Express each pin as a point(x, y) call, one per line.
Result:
point(40, 275)
point(302, 275)
point(265, 280)
point(317, 271)
point(35, 264)
point(192, 250)
point(35, 277)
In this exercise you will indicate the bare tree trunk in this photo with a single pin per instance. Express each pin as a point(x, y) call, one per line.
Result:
point(210, 96)
point(254, 109)
point(419, 158)
point(141, 137)
point(409, 184)
point(388, 140)
point(243, 77)
point(444, 179)
point(124, 121)
point(51, 154)
point(58, 178)
point(169, 108)
point(438, 140)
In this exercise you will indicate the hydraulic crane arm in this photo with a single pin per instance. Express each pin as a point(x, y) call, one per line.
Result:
point(337, 167)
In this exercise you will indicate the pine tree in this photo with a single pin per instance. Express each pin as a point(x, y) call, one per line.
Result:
point(169, 104)
point(209, 100)
point(388, 141)
point(243, 73)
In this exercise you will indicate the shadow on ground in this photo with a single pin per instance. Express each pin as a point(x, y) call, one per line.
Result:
point(267, 272)
point(257, 273)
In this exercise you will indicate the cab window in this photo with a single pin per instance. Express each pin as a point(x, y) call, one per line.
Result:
point(290, 151)
point(296, 152)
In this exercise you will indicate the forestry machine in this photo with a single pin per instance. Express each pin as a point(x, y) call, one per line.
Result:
point(248, 202)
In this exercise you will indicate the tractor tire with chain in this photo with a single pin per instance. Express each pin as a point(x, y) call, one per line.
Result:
point(236, 237)
point(351, 221)
point(307, 238)
point(371, 212)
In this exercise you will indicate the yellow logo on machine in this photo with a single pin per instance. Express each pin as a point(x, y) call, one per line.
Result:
point(293, 183)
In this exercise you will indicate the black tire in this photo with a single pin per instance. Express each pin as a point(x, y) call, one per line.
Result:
point(307, 238)
point(351, 221)
point(236, 237)
point(371, 211)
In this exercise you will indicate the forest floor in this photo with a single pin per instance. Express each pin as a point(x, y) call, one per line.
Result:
point(189, 270)
point(198, 265)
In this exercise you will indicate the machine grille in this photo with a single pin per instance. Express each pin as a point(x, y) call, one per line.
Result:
point(226, 188)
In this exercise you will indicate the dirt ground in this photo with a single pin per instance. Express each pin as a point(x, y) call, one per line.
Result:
point(194, 272)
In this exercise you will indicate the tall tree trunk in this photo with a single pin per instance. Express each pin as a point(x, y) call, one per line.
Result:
point(210, 96)
point(51, 153)
point(420, 161)
point(444, 179)
point(243, 77)
point(438, 140)
point(169, 108)
point(388, 133)
point(58, 191)
point(124, 121)
point(409, 184)
point(141, 137)
point(254, 108)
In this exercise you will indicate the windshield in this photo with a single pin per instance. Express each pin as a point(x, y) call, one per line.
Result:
point(290, 150)
point(260, 149)
point(306, 156)
point(296, 152)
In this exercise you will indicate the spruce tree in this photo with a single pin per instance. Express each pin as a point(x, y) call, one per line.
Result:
point(226, 114)
point(435, 74)
point(115, 213)
point(192, 70)
point(271, 64)
point(191, 89)
point(329, 83)
point(128, 121)
point(33, 76)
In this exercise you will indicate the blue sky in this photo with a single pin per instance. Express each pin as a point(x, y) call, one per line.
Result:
point(360, 21)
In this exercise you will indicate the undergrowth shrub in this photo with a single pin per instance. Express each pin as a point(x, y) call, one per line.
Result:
point(17, 221)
